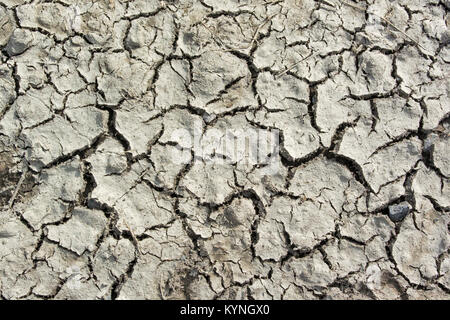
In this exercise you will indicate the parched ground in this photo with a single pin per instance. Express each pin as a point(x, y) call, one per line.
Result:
point(115, 182)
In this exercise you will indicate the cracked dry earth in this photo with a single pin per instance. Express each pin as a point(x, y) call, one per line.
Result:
point(93, 205)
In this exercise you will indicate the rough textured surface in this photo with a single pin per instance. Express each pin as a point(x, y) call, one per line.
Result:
point(117, 180)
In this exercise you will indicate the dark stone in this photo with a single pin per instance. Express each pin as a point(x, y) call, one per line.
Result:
point(398, 212)
point(18, 43)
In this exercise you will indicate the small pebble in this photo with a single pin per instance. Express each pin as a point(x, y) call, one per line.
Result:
point(399, 211)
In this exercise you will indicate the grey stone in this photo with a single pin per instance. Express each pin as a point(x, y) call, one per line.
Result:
point(398, 212)
point(19, 41)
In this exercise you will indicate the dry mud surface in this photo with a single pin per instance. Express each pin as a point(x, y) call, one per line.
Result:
point(115, 179)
